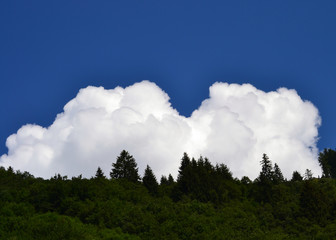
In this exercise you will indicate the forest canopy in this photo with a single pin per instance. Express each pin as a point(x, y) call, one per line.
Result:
point(204, 202)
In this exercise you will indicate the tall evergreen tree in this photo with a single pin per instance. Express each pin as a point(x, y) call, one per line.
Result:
point(125, 168)
point(265, 180)
point(266, 173)
point(185, 162)
point(149, 181)
point(184, 177)
point(277, 174)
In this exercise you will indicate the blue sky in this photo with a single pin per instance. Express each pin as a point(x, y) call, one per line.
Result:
point(51, 49)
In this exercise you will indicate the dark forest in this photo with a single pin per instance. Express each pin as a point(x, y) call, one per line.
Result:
point(204, 202)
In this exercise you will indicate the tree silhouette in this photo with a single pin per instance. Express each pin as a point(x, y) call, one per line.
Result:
point(265, 180)
point(277, 174)
point(125, 168)
point(170, 179)
point(185, 162)
point(308, 174)
point(296, 176)
point(223, 171)
point(167, 181)
point(99, 173)
point(149, 181)
point(163, 180)
point(266, 173)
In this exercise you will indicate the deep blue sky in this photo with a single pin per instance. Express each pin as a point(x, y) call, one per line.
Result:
point(51, 49)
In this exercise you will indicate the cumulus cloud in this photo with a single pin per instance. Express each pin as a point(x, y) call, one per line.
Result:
point(235, 126)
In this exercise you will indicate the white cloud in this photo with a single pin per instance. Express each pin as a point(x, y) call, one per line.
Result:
point(235, 126)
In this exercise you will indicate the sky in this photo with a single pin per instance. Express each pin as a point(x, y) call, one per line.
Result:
point(51, 50)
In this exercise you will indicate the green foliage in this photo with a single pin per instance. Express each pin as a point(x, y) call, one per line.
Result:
point(327, 161)
point(205, 202)
point(266, 174)
point(296, 176)
point(314, 202)
point(99, 173)
point(202, 181)
point(149, 181)
point(277, 175)
point(125, 168)
point(308, 175)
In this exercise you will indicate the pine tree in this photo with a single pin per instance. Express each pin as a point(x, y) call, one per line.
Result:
point(223, 171)
point(167, 181)
point(266, 173)
point(185, 162)
point(265, 180)
point(164, 180)
point(99, 173)
point(296, 176)
point(170, 179)
point(149, 181)
point(277, 174)
point(186, 175)
point(125, 168)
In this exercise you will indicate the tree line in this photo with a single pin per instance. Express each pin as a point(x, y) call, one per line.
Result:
point(204, 202)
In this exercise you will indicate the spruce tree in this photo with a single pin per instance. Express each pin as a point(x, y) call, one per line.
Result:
point(99, 173)
point(223, 171)
point(266, 173)
point(185, 179)
point(296, 176)
point(185, 162)
point(125, 168)
point(164, 180)
point(170, 179)
point(277, 174)
point(265, 180)
point(149, 181)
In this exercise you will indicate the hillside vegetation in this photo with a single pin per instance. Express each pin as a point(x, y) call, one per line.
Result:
point(204, 202)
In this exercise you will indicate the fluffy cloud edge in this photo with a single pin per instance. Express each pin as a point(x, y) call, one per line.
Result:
point(235, 126)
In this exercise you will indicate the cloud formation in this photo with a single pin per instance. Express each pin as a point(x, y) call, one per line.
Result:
point(235, 126)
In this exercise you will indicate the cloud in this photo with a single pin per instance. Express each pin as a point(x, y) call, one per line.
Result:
point(235, 126)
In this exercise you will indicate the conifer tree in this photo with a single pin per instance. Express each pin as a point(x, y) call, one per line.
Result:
point(164, 180)
point(184, 178)
point(265, 180)
point(167, 181)
point(185, 162)
point(296, 176)
point(125, 168)
point(266, 173)
point(245, 180)
point(149, 181)
point(277, 174)
point(99, 173)
point(223, 171)
point(170, 179)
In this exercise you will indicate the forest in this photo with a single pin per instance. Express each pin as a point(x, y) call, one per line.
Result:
point(204, 202)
